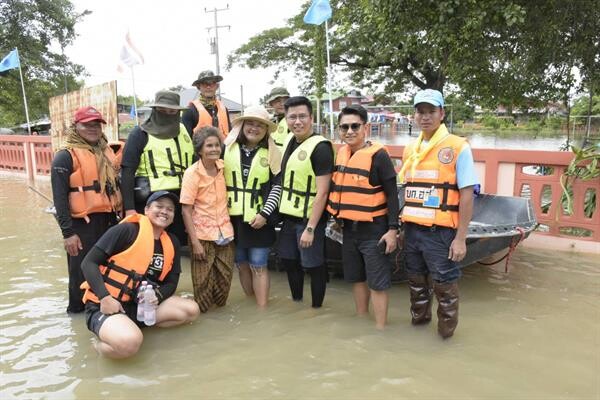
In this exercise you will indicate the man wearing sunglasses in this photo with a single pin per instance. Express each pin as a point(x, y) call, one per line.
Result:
point(363, 198)
point(207, 110)
point(439, 177)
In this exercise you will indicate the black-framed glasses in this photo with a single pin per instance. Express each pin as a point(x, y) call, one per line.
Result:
point(355, 126)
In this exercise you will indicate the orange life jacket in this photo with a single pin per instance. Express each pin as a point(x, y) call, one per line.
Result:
point(352, 196)
point(85, 194)
point(432, 195)
point(126, 269)
point(205, 119)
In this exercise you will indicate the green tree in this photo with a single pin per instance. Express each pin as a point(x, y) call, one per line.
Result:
point(511, 52)
point(128, 100)
point(36, 28)
point(581, 105)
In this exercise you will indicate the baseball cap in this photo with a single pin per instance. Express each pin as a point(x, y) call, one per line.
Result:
point(430, 96)
point(87, 114)
point(160, 194)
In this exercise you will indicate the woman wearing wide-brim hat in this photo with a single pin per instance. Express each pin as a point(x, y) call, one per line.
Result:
point(252, 167)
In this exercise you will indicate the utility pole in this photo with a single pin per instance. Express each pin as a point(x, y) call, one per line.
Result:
point(214, 42)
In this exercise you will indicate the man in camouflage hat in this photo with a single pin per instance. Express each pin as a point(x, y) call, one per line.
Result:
point(276, 100)
point(207, 110)
point(156, 154)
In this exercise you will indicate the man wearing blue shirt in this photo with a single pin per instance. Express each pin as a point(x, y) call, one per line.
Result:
point(439, 177)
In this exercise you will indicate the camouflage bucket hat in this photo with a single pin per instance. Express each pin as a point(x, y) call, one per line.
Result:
point(207, 76)
point(276, 93)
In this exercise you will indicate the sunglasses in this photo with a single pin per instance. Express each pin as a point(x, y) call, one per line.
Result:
point(355, 126)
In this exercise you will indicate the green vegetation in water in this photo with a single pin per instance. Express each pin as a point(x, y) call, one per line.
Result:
point(584, 166)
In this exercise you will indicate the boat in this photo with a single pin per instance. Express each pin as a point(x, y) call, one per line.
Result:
point(498, 224)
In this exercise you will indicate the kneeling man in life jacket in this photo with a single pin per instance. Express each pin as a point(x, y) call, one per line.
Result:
point(136, 250)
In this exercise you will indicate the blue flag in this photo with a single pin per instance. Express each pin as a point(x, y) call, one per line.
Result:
point(318, 12)
point(132, 112)
point(10, 61)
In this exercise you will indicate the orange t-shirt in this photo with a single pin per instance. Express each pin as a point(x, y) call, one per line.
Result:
point(208, 196)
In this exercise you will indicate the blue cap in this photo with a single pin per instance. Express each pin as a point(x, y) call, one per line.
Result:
point(430, 96)
point(160, 194)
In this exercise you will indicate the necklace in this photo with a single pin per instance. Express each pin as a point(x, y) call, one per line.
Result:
point(248, 150)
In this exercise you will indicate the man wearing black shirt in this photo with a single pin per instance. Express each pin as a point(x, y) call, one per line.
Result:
point(364, 200)
point(306, 169)
point(113, 317)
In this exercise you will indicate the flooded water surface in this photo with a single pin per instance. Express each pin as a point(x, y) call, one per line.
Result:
point(533, 333)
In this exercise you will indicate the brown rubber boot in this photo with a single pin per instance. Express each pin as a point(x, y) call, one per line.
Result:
point(447, 312)
point(420, 299)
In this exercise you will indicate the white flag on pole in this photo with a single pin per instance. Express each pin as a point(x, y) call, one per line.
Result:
point(129, 55)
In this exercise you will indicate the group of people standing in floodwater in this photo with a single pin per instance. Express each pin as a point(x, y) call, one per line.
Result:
point(223, 186)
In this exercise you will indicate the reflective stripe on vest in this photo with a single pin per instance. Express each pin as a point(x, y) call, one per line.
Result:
point(163, 161)
point(280, 134)
point(206, 119)
point(351, 195)
point(299, 181)
point(246, 199)
point(85, 194)
point(126, 269)
point(432, 195)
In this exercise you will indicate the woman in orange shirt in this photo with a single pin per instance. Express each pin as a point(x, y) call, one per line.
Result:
point(204, 209)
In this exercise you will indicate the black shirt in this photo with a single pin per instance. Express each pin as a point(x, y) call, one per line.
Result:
point(132, 154)
point(117, 239)
point(60, 174)
point(245, 235)
point(321, 161)
point(321, 158)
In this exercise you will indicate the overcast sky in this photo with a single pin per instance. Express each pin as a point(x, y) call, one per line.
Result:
point(174, 41)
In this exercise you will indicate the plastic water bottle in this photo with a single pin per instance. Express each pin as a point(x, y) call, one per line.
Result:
point(149, 307)
point(140, 301)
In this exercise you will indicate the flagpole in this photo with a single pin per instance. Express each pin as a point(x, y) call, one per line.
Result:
point(319, 114)
point(137, 120)
point(331, 136)
point(23, 89)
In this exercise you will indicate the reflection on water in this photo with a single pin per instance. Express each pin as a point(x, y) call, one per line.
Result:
point(533, 333)
point(484, 141)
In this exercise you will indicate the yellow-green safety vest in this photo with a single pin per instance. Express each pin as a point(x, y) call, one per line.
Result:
point(299, 180)
point(245, 199)
point(280, 134)
point(163, 161)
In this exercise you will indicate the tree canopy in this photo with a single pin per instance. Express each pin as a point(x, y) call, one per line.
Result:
point(511, 52)
point(40, 30)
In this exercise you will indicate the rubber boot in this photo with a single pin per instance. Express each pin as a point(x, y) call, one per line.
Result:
point(447, 312)
point(421, 295)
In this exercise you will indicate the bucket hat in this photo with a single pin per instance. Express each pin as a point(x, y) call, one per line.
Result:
point(166, 99)
point(276, 93)
point(207, 76)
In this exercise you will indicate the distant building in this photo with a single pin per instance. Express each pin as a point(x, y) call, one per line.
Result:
point(341, 99)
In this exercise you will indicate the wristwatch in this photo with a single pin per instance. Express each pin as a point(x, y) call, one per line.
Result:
point(309, 229)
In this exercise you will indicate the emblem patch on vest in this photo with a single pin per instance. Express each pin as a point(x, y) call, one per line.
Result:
point(280, 129)
point(302, 155)
point(264, 162)
point(446, 155)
